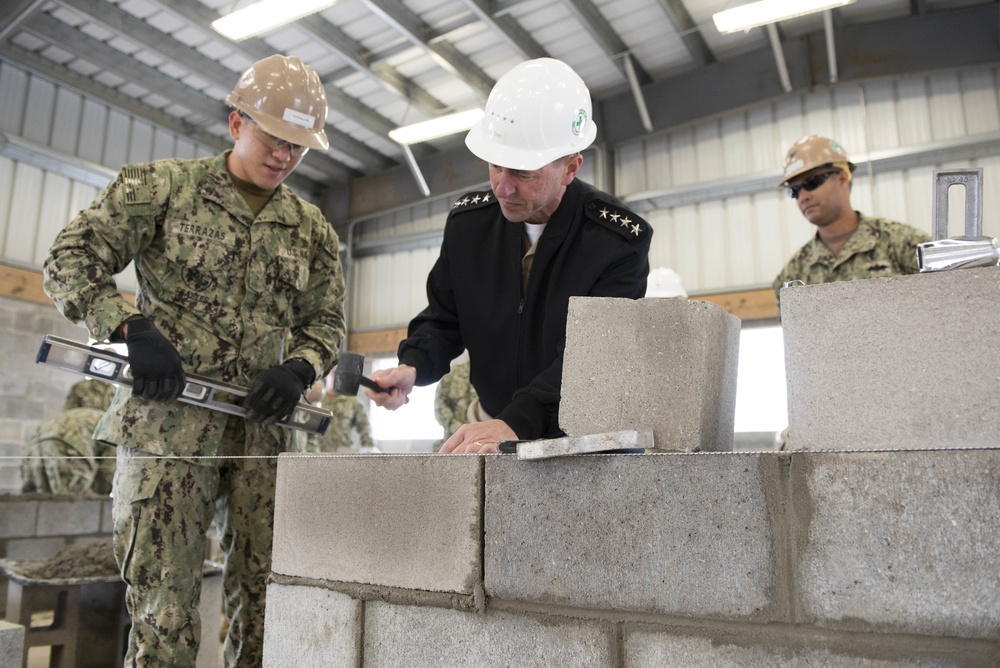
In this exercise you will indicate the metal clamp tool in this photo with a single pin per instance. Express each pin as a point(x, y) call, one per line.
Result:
point(199, 391)
point(970, 250)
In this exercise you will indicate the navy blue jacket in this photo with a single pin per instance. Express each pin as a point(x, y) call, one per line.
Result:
point(592, 246)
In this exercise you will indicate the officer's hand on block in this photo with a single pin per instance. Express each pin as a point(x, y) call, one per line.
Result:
point(157, 373)
point(277, 390)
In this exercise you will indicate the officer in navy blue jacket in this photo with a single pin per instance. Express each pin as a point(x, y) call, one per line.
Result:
point(511, 258)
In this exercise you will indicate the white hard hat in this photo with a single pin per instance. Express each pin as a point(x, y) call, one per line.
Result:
point(664, 282)
point(537, 112)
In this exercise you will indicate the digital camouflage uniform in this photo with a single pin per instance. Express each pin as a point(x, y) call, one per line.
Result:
point(452, 397)
point(69, 433)
point(349, 415)
point(223, 286)
point(879, 247)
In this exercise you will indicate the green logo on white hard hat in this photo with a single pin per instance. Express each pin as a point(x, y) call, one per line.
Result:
point(580, 122)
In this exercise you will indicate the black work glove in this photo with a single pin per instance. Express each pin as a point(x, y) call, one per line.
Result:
point(157, 373)
point(276, 391)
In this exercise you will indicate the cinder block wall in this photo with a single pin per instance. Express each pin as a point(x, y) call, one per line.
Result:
point(29, 392)
point(853, 550)
point(714, 559)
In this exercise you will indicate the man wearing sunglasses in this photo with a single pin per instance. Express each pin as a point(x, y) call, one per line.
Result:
point(239, 280)
point(848, 245)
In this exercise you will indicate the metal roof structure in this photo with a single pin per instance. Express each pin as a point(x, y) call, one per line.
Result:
point(650, 64)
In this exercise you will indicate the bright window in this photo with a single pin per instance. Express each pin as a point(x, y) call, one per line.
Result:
point(761, 394)
point(412, 422)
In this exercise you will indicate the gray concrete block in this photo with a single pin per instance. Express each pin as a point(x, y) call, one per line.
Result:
point(674, 534)
point(17, 516)
point(107, 522)
point(310, 627)
point(409, 521)
point(665, 364)
point(70, 516)
point(210, 609)
point(659, 650)
point(900, 541)
point(28, 549)
point(898, 362)
point(413, 637)
point(11, 644)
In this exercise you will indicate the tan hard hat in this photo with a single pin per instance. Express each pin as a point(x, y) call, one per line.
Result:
point(811, 152)
point(285, 97)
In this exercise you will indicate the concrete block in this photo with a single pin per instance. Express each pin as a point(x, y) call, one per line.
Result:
point(901, 541)
point(409, 521)
point(17, 516)
point(310, 627)
point(414, 637)
point(70, 516)
point(674, 534)
point(663, 364)
point(898, 362)
point(210, 609)
point(31, 549)
point(11, 644)
point(659, 650)
point(107, 522)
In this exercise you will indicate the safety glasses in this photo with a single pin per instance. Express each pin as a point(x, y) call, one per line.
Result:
point(810, 184)
point(273, 142)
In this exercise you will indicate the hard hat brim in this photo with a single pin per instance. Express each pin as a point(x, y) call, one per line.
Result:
point(483, 147)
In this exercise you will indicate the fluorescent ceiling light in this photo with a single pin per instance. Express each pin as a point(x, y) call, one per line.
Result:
point(437, 127)
point(769, 11)
point(264, 15)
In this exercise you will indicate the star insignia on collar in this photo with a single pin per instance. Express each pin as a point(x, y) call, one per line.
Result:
point(604, 213)
point(636, 230)
point(615, 217)
point(626, 221)
point(486, 197)
point(475, 200)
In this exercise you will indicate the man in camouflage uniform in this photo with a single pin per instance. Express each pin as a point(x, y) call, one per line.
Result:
point(452, 398)
point(228, 259)
point(349, 417)
point(63, 457)
point(848, 244)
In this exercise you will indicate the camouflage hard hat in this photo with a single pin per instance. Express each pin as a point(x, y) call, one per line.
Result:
point(811, 152)
point(89, 393)
point(285, 97)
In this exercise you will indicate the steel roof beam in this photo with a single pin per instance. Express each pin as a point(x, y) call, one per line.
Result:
point(688, 31)
point(508, 28)
point(410, 25)
point(606, 37)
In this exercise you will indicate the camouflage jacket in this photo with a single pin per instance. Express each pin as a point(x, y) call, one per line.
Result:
point(69, 434)
point(879, 247)
point(222, 286)
point(348, 415)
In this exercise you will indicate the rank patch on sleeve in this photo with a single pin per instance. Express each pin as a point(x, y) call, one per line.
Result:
point(624, 222)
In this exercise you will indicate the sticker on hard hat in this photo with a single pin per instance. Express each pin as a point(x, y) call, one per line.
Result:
point(298, 118)
point(580, 122)
point(794, 165)
point(247, 79)
point(836, 146)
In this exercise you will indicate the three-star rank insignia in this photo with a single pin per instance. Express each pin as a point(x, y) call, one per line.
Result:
point(622, 221)
point(473, 200)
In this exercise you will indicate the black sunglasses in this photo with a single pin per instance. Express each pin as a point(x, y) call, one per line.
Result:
point(810, 184)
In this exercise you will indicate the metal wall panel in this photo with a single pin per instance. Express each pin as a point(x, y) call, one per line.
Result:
point(36, 203)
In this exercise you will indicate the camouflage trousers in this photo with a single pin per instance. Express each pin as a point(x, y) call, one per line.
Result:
point(162, 511)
